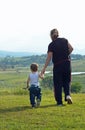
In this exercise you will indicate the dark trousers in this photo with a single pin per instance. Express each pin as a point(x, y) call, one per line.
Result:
point(35, 93)
point(61, 79)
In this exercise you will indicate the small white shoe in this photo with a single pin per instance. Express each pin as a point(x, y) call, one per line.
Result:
point(69, 99)
point(38, 102)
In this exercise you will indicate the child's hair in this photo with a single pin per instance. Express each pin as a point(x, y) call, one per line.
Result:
point(34, 67)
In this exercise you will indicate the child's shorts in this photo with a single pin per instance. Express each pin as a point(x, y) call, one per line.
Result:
point(35, 90)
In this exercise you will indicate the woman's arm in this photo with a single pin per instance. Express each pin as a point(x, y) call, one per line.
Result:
point(48, 59)
point(70, 48)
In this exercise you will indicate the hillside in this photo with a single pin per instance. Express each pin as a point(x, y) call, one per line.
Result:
point(22, 54)
point(12, 62)
point(17, 54)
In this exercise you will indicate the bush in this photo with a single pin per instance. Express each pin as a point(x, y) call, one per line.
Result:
point(76, 87)
point(47, 82)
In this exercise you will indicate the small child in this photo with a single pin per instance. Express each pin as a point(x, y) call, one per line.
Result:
point(33, 82)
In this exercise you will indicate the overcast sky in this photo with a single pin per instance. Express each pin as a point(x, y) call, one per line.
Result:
point(25, 24)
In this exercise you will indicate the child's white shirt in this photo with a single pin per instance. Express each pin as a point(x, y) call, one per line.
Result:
point(34, 78)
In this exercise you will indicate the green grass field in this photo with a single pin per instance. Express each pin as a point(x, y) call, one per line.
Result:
point(12, 81)
point(17, 114)
point(78, 65)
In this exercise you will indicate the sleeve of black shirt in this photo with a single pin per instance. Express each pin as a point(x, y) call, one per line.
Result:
point(50, 48)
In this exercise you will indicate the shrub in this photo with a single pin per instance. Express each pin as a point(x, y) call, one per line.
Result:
point(47, 82)
point(76, 87)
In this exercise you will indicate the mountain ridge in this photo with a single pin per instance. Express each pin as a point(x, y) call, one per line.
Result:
point(17, 54)
point(21, 54)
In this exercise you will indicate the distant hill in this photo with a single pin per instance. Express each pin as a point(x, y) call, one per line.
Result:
point(17, 54)
point(24, 61)
point(79, 51)
point(22, 54)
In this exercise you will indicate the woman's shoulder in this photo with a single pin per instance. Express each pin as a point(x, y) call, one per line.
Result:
point(63, 39)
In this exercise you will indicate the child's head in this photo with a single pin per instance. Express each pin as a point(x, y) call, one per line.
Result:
point(34, 67)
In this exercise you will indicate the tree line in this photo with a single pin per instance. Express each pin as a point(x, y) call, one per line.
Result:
point(12, 62)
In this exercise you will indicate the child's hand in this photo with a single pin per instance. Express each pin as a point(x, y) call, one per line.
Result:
point(25, 88)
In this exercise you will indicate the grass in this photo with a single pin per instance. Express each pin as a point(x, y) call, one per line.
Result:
point(81, 80)
point(12, 82)
point(17, 114)
point(78, 65)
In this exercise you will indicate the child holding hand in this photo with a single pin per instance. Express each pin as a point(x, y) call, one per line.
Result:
point(33, 85)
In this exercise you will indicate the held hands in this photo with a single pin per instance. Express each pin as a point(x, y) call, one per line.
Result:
point(43, 71)
point(41, 76)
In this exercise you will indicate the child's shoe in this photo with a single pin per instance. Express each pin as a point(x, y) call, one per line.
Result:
point(34, 105)
point(38, 102)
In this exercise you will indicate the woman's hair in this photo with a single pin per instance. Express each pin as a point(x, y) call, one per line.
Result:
point(34, 67)
point(54, 34)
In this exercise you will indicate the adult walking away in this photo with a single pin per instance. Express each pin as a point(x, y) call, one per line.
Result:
point(59, 51)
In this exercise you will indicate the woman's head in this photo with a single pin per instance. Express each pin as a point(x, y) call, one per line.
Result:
point(54, 34)
point(34, 67)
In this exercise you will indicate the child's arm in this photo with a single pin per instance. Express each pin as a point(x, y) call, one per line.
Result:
point(28, 82)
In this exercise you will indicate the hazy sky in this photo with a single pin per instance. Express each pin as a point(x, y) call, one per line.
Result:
point(25, 24)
